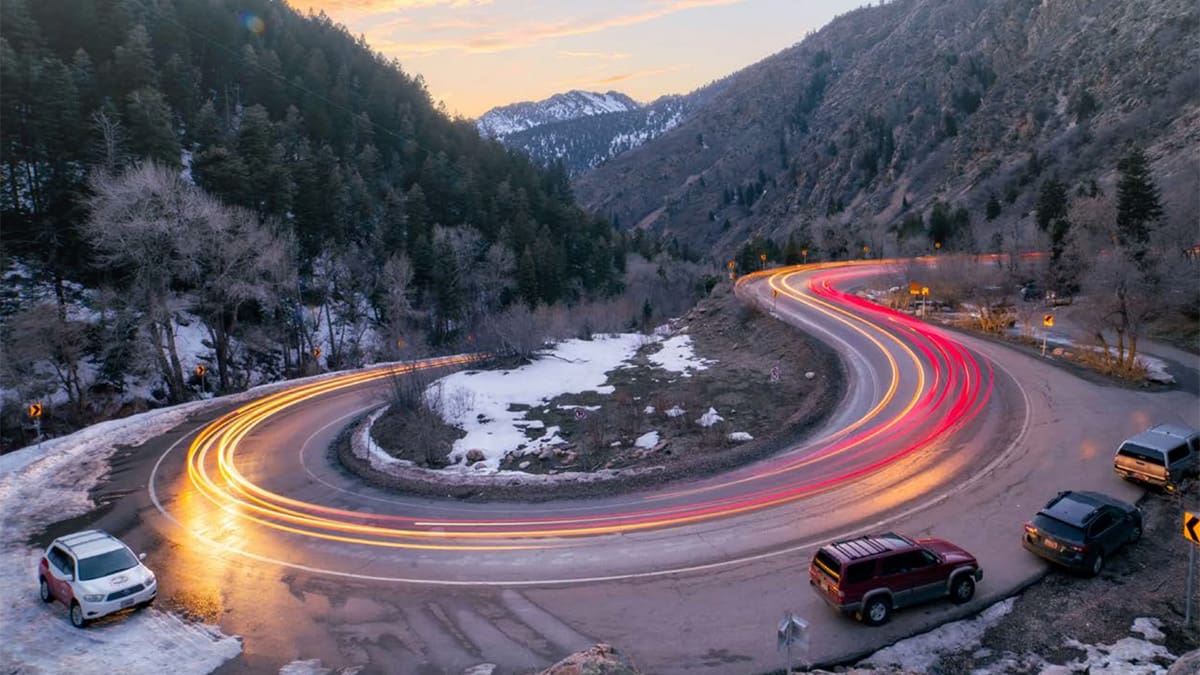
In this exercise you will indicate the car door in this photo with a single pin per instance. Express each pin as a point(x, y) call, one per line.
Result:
point(903, 573)
point(1105, 532)
point(928, 577)
point(62, 572)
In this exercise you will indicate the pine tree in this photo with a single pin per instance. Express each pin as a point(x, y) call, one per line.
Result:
point(1139, 209)
point(149, 126)
point(791, 251)
point(993, 208)
point(527, 286)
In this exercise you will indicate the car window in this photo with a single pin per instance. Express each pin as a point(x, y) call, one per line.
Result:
point(1139, 452)
point(928, 558)
point(1177, 454)
point(860, 571)
point(106, 563)
point(1057, 528)
point(828, 564)
point(904, 562)
point(61, 561)
point(1102, 523)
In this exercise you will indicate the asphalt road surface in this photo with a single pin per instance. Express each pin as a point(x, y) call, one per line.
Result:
point(250, 526)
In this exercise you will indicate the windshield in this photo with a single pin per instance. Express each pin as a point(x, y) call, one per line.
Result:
point(106, 564)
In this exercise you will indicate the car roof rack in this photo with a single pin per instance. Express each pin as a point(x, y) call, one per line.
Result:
point(868, 545)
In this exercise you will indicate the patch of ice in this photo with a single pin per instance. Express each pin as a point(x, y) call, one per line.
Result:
point(710, 418)
point(1127, 656)
point(647, 441)
point(308, 667)
point(740, 437)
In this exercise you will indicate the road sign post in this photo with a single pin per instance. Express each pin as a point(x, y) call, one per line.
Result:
point(793, 632)
point(35, 412)
point(1191, 532)
point(1047, 322)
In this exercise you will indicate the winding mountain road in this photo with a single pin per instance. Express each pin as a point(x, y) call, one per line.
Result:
point(939, 434)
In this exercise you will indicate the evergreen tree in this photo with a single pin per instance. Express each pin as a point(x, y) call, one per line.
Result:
point(150, 132)
point(791, 251)
point(993, 208)
point(527, 286)
point(133, 62)
point(1139, 209)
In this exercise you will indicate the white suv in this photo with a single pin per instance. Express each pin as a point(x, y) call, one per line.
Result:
point(94, 574)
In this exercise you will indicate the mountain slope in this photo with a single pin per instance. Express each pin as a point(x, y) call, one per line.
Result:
point(510, 119)
point(891, 109)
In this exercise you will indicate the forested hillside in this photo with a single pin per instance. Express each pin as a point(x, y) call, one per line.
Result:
point(147, 144)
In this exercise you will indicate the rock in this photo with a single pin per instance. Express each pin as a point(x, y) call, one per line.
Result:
point(545, 454)
point(523, 465)
point(809, 375)
point(474, 455)
point(599, 659)
point(1188, 664)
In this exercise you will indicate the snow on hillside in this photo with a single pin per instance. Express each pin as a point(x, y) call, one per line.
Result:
point(509, 119)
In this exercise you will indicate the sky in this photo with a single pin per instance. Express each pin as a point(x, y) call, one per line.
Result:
point(478, 54)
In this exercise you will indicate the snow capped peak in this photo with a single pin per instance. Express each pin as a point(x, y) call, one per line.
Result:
point(509, 119)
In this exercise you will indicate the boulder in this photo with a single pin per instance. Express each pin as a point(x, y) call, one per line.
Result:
point(1188, 664)
point(475, 455)
point(599, 659)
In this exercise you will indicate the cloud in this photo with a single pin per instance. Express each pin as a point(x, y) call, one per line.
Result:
point(482, 39)
point(596, 82)
point(607, 56)
point(374, 6)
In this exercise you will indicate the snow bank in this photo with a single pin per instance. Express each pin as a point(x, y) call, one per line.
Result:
point(40, 485)
point(920, 653)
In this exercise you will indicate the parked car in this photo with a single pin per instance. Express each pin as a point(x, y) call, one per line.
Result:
point(868, 577)
point(1162, 455)
point(1079, 530)
point(94, 574)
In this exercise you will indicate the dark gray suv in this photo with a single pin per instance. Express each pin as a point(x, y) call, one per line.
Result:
point(1080, 529)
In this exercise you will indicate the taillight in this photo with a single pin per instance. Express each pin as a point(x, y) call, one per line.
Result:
point(1030, 529)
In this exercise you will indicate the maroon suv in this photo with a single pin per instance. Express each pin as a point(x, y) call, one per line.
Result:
point(871, 576)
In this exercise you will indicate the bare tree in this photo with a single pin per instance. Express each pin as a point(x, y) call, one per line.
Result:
point(243, 263)
point(148, 222)
point(40, 338)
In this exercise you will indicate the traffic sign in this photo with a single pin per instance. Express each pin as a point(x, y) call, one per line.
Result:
point(316, 353)
point(1191, 527)
point(914, 288)
point(35, 410)
point(580, 414)
point(1047, 320)
point(201, 370)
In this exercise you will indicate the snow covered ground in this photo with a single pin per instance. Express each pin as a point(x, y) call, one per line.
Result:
point(1128, 656)
point(481, 402)
point(40, 485)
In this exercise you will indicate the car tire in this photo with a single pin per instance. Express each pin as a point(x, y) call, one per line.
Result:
point(147, 603)
point(1095, 565)
point(876, 612)
point(76, 615)
point(1135, 533)
point(962, 588)
point(44, 590)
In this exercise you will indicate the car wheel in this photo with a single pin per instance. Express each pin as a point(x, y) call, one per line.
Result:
point(962, 589)
point(876, 612)
point(44, 590)
point(147, 603)
point(77, 619)
point(1095, 565)
point(1135, 533)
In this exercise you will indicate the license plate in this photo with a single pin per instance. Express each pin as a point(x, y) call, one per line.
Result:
point(1050, 544)
point(127, 603)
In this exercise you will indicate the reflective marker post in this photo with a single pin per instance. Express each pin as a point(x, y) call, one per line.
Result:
point(1191, 532)
point(793, 631)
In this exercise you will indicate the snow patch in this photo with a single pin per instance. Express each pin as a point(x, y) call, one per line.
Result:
point(920, 653)
point(740, 437)
point(710, 418)
point(647, 441)
point(675, 411)
point(677, 356)
point(1149, 628)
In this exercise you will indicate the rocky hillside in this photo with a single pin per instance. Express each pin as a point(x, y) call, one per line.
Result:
point(893, 109)
point(509, 119)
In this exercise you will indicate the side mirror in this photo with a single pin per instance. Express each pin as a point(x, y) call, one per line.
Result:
point(70, 577)
point(141, 556)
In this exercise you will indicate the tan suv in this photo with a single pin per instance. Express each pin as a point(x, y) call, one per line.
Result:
point(868, 577)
